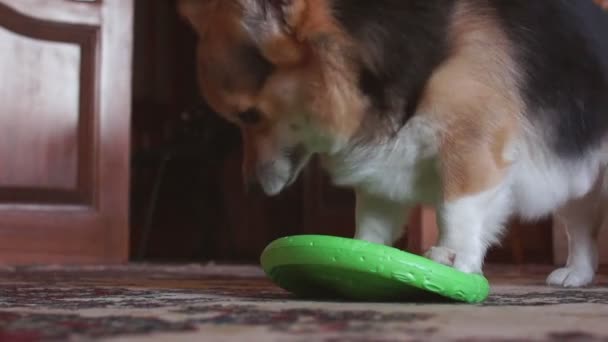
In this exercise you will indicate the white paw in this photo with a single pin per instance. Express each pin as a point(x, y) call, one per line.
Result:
point(467, 263)
point(571, 277)
point(441, 255)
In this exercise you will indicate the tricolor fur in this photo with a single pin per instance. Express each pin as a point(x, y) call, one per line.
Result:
point(483, 108)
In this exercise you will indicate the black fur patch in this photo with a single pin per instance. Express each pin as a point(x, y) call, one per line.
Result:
point(565, 85)
point(405, 40)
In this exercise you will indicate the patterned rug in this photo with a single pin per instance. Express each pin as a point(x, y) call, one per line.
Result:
point(236, 303)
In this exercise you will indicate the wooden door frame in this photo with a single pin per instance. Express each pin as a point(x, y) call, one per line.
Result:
point(93, 226)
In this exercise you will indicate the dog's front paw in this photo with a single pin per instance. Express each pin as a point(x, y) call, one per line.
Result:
point(464, 262)
point(442, 255)
point(571, 277)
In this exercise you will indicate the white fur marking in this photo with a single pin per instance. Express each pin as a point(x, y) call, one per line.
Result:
point(468, 226)
point(378, 220)
point(400, 170)
point(582, 218)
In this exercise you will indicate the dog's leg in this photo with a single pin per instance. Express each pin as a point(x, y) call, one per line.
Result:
point(379, 220)
point(476, 193)
point(474, 99)
point(468, 226)
point(582, 219)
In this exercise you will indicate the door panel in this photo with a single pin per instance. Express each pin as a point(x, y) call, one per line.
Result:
point(85, 12)
point(35, 121)
point(64, 130)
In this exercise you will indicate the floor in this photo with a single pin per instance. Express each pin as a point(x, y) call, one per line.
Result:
point(236, 303)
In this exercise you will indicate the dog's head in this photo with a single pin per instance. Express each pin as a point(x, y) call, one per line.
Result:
point(284, 72)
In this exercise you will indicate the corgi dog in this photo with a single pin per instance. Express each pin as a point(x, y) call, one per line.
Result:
point(484, 109)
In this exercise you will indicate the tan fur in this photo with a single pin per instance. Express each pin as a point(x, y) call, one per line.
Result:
point(258, 146)
point(283, 51)
point(473, 99)
point(328, 88)
point(282, 47)
point(218, 26)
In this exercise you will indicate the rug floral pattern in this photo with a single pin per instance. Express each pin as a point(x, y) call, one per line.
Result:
point(209, 303)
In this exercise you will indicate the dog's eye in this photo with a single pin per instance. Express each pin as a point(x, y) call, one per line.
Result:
point(250, 117)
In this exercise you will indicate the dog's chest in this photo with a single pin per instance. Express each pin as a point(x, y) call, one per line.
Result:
point(403, 169)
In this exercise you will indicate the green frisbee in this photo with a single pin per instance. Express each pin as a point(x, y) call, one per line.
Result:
point(326, 267)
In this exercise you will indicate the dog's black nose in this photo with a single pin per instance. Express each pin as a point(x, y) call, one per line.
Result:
point(254, 188)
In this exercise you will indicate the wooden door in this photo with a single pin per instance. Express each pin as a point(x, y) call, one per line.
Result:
point(64, 130)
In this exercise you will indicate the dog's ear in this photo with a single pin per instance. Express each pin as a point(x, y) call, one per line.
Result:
point(274, 25)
